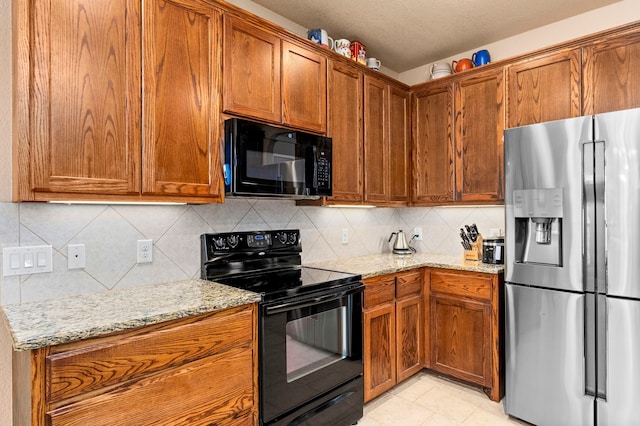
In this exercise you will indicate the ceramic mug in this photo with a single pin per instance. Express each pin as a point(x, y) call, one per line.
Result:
point(343, 47)
point(321, 37)
point(374, 64)
point(481, 57)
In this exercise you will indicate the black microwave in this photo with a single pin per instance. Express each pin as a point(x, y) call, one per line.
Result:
point(270, 161)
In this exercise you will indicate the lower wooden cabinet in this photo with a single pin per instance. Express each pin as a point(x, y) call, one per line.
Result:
point(465, 328)
point(197, 371)
point(393, 333)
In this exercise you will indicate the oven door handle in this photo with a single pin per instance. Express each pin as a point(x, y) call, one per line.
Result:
point(298, 304)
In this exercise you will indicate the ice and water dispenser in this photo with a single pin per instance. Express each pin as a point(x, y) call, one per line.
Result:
point(538, 226)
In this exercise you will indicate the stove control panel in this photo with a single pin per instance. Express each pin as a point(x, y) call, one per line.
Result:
point(236, 242)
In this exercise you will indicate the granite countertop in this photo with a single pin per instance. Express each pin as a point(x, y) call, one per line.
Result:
point(388, 263)
point(51, 322)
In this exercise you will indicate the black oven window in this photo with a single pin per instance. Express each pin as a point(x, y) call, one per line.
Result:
point(316, 341)
point(277, 159)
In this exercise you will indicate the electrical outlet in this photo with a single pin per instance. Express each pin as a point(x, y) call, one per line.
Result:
point(145, 251)
point(345, 235)
point(76, 258)
point(417, 231)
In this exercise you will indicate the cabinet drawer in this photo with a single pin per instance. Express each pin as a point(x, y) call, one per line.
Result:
point(408, 284)
point(477, 286)
point(109, 361)
point(379, 290)
point(215, 390)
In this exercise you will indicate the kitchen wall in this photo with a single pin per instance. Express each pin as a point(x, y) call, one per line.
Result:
point(110, 232)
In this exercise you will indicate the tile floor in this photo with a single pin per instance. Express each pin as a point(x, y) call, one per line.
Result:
point(427, 399)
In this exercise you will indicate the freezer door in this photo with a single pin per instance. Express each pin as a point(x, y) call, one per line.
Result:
point(620, 132)
point(544, 162)
point(621, 405)
point(545, 362)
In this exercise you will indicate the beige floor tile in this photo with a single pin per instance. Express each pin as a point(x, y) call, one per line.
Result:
point(431, 400)
point(398, 411)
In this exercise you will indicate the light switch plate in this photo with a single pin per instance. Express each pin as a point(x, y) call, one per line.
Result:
point(26, 260)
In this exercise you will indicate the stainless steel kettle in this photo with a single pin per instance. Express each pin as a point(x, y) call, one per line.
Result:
point(400, 245)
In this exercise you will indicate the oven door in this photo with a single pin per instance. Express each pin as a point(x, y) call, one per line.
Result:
point(308, 347)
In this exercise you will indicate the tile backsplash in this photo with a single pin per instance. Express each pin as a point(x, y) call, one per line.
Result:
point(110, 233)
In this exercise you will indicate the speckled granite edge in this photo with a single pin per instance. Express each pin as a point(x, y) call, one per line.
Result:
point(387, 263)
point(56, 321)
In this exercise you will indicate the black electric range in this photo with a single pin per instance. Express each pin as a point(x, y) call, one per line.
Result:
point(309, 326)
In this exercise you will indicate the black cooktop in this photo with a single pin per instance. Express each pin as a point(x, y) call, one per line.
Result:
point(266, 262)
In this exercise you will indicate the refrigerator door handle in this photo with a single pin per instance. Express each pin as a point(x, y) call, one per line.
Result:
point(588, 216)
point(600, 220)
point(590, 345)
point(601, 346)
point(593, 216)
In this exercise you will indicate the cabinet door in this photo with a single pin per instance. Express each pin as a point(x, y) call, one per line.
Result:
point(304, 88)
point(409, 336)
point(544, 89)
point(479, 127)
point(432, 148)
point(345, 128)
point(611, 77)
point(461, 338)
point(180, 97)
point(251, 71)
point(84, 85)
point(379, 350)
point(399, 145)
point(376, 140)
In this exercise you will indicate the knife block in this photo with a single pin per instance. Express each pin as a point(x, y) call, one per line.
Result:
point(476, 250)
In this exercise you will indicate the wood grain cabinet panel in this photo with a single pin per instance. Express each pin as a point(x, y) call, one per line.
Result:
point(464, 336)
point(393, 330)
point(379, 350)
point(251, 82)
point(304, 88)
point(399, 145)
point(198, 370)
point(345, 103)
point(479, 128)
point(545, 89)
point(182, 53)
point(433, 150)
point(461, 337)
point(376, 140)
point(82, 129)
point(611, 77)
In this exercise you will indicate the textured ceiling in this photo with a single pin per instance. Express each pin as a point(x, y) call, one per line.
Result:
point(405, 34)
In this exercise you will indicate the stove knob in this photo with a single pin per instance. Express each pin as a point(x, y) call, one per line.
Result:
point(293, 238)
point(233, 240)
point(219, 242)
point(282, 236)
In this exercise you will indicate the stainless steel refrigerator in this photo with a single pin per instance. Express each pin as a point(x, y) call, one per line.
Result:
point(572, 211)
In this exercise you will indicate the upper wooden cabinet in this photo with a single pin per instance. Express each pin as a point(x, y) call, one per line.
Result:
point(399, 145)
point(376, 140)
point(251, 71)
point(386, 143)
point(457, 140)
point(182, 56)
point(272, 79)
point(84, 132)
point(304, 88)
point(345, 103)
point(479, 128)
point(432, 149)
point(610, 72)
point(544, 89)
point(78, 94)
